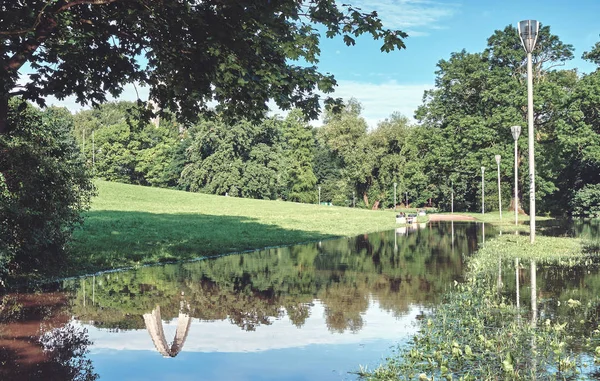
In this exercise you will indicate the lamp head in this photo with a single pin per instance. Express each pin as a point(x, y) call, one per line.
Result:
point(497, 157)
point(528, 31)
point(516, 131)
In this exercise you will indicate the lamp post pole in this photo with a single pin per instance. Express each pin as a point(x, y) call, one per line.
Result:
point(528, 31)
point(395, 185)
point(516, 131)
point(319, 195)
point(406, 194)
point(353, 200)
point(452, 198)
point(497, 157)
point(482, 191)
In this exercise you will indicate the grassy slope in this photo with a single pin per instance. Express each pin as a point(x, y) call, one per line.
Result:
point(130, 225)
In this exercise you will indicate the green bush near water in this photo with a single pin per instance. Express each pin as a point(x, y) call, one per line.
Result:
point(478, 334)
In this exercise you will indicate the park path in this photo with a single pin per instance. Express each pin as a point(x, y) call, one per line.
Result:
point(450, 217)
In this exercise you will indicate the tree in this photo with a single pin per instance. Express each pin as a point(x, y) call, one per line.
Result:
point(345, 134)
point(242, 159)
point(299, 154)
point(478, 96)
point(43, 187)
point(240, 53)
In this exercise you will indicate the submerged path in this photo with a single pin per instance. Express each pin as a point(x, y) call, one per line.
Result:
point(450, 217)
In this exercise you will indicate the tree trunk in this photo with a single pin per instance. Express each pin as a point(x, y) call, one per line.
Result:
point(3, 115)
point(375, 205)
point(366, 199)
point(512, 206)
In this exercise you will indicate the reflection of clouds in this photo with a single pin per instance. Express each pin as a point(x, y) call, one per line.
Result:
point(222, 336)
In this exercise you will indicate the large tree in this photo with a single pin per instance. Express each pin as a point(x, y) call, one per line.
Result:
point(478, 96)
point(240, 53)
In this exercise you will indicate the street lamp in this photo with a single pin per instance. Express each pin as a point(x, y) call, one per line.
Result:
point(482, 191)
point(497, 157)
point(406, 194)
point(528, 30)
point(516, 131)
point(395, 185)
point(353, 199)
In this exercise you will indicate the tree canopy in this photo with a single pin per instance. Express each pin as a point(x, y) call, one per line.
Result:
point(239, 53)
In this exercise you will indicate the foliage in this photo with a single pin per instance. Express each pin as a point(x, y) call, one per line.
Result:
point(44, 187)
point(240, 53)
point(586, 202)
point(241, 160)
point(478, 333)
point(466, 119)
point(299, 154)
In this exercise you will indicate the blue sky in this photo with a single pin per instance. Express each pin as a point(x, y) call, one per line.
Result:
point(385, 83)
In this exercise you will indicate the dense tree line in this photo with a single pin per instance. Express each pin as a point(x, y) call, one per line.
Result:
point(277, 158)
point(462, 124)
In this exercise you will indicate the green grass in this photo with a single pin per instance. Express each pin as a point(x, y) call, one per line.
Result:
point(131, 225)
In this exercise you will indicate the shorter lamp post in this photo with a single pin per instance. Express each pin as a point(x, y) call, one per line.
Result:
point(395, 185)
point(353, 199)
point(516, 131)
point(497, 157)
point(319, 195)
point(406, 194)
point(482, 191)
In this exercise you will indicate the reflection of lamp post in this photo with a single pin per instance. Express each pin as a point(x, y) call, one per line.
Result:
point(482, 191)
point(395, 185)
point(528, 30)
point(497, 157)
point(516, 131)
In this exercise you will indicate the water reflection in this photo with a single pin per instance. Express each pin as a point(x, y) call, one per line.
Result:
point(354, 297)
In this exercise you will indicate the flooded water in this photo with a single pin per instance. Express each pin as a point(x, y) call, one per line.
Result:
point(307, 312)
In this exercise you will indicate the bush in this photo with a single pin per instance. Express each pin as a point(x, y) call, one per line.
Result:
point(44, 186)
point(586, 202)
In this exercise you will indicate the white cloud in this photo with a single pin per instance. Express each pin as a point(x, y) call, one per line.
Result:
point(223, 336)
point(410, 15)
point(379, 101)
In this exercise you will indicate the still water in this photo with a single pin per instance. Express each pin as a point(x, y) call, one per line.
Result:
point(307, 312)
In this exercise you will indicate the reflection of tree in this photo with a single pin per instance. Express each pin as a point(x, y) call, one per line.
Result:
point(344, 307)
point(56, 351)
point(255, 288)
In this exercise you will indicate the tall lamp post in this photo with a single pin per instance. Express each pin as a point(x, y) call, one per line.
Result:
point(395, 185)
point(516, 131)
point(497, 157)
point(482, 191)
point(528, 31)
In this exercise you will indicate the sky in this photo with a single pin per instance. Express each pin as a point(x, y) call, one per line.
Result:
point(385, 83)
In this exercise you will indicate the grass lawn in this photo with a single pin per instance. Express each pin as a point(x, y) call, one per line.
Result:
point(130, 225)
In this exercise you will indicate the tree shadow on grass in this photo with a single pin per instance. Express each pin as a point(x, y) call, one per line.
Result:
point(115, 239)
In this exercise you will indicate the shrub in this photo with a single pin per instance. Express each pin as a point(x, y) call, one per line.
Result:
point(44, 186)
point(586, 202)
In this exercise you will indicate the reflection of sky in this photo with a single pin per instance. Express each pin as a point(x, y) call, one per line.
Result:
point(219, 350)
